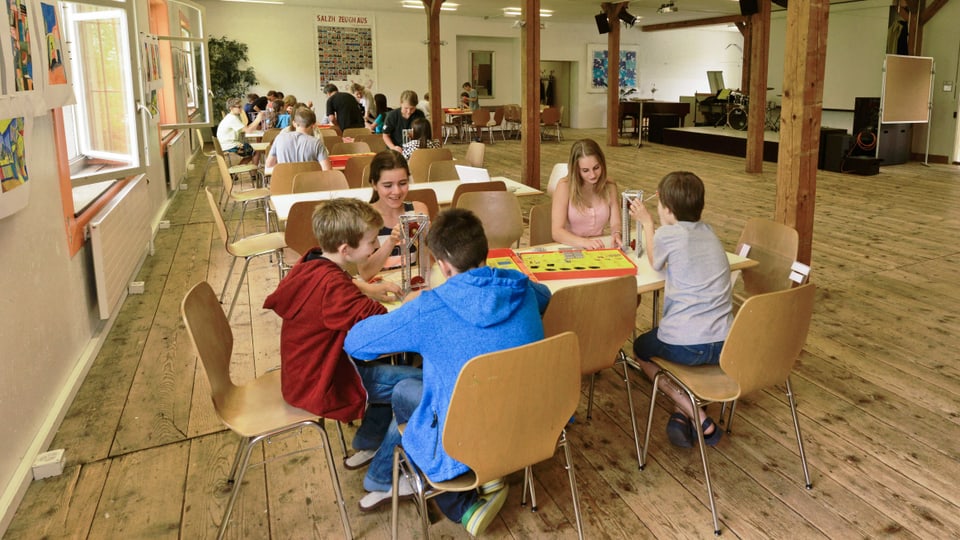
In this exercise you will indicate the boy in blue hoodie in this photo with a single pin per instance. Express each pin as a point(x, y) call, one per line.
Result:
point(477, 311)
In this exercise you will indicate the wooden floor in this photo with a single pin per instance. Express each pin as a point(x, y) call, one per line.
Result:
point(878, 388)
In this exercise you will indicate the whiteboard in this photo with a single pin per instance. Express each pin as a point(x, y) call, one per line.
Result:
point(907, 85)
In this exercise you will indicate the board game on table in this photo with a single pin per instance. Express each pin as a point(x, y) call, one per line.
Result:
point(565, 263)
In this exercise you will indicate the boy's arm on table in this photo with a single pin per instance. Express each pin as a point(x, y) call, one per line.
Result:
point(397, 331)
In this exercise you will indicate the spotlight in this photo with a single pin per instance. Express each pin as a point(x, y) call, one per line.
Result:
point(603, 25)
point(669, 7)
point(627, 18)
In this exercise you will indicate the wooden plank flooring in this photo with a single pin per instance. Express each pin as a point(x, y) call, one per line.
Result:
point(878, 387)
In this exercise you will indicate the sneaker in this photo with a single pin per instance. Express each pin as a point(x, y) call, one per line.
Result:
point(375, 499)
point(359, 459)
point(484, 511)
point(492, 486)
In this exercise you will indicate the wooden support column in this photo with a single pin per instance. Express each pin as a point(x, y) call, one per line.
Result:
point(806, 46)
point(613, 70)
point(745, 72)
point(759, 36)
point(530, 100)
point(433, 63)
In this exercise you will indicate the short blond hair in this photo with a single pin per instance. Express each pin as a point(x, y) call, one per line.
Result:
point(343, 221)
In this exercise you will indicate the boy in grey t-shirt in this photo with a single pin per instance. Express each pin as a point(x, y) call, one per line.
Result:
point(697, 309)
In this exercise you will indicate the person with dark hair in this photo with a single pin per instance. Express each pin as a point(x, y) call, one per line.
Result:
point(342, 108)
point(299, 145)
point(483, 310)
point(422, 137)
point(381, 104)
point(390, 179)
point(473, 99)
point(400, 120)
point(697, 309)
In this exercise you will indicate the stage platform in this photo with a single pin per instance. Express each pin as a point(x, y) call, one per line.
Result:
point(720, 140)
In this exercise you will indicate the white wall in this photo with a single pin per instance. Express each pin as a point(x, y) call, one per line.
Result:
point(941, 40)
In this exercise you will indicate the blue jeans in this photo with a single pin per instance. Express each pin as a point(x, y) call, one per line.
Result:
point(649, 345)
point(379, 380)
point(406, 397)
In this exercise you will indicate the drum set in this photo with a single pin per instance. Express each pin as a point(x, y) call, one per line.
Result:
point(738, 109)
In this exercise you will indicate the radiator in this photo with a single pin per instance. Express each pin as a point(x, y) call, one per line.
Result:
point(120, 238)
point(178, 152)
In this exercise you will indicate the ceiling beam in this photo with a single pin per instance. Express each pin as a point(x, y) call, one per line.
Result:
point(712, 21)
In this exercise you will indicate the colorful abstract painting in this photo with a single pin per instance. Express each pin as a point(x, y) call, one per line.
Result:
point(20, 39)
point(598, 68)
point(56, 73)
point(13, 164)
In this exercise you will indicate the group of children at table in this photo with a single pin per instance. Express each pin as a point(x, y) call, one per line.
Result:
point(328, 314)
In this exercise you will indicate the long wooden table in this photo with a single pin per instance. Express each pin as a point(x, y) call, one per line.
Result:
point(282, 203)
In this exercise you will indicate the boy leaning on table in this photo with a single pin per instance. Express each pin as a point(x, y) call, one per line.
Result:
point(477, 310)
point(697, 311)
point(299, 145)
point(319, 302)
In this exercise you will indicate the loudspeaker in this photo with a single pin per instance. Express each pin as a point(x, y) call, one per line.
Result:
point(866, 114)
point(836, 148)
point(603, 25)
point(748, 7)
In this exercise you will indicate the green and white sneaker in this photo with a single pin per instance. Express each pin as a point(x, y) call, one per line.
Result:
point(484, 511)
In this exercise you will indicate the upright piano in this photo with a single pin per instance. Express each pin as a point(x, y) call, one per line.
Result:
point(658, 115)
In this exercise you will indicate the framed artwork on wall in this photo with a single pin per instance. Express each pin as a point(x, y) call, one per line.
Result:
point(597, 59)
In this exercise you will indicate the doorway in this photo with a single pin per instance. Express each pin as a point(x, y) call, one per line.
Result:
point(555, 90)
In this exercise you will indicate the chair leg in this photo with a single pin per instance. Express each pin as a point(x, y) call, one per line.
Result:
point(226, 280)
point(236, 293)
point(697, 422)
point(341, 503)
point(343, 441)
point(236, 459)
point(633, 414)
point(796, 426)
point(528, 486)
point(653, 404)
point(593, 381)
point(574, 492)
point(241, 469)
point(395, 496)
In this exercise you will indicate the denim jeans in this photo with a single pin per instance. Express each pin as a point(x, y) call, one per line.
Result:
point(649, 345)
point(406, 397)
point(379, 380)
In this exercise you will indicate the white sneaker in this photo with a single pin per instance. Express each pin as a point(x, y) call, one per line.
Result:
point(359, 460)
point(375, 499)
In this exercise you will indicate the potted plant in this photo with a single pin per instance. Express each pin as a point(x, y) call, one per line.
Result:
point(227, 79)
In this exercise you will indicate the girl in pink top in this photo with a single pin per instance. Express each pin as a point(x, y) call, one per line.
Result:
point(586, 201)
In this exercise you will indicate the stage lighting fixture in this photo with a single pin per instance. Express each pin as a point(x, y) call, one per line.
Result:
point(627, 18)
point(669, 7)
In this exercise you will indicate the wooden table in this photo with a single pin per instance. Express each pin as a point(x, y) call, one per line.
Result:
point(456, 118)
point(282, 203)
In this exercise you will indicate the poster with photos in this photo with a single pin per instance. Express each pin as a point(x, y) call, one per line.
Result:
point(14, 180)
point(345, 49)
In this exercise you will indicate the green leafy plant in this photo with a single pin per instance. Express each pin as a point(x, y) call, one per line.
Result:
point(227, 79)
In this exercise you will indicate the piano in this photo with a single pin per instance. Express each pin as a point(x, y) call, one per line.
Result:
point(658, 115)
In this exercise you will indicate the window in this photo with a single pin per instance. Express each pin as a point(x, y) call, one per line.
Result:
point(184, 100)
point(102, 128)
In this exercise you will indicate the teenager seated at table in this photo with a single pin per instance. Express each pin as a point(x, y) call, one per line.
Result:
point(366, 100)
point(390, 179)
point(482, 310)
point(586, 201)
point(422, 138)
point(697, 310)
point(400, 120)
point(299, 145)
point(376, 126)
point(231, 133)
point(319, 302)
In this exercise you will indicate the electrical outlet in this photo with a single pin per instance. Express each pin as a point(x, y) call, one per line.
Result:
point(136, 287)
point(49, 464)
point(184, 186)
point(165, 224)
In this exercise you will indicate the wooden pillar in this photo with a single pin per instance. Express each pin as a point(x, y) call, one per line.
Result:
point(433, 63)
point(745, 72)
point(759, 36)
point(613, 70)
point(530, 99)
point(806, 46)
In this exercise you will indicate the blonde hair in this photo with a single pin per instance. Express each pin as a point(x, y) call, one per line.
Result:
point(343, 221)
point(580, 149)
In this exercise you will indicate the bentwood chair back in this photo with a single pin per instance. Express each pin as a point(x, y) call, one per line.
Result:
point(353, 170)
point(244, 197)
point(270, 135)
point(764, 342)
point(319, 181)
point(773, 245)
point(540, 220)
point(550, 118)
point(281, 182)
point(602, 314)
point(256, 410)
point(481, 121)
point(299, 231)
point(211, 155)
point(327, 132)
point(500, 213)
point(496, 123)
point(247, 248)
point(356, 132)
point(421, 159)
point(427, 197)
point(531, 392)
point(470, 187)
point(559, 171)
point(475, 153)
point(513, 114)
point(356, 147)
point(444, 169)
point(329, 141)
point(374, 141)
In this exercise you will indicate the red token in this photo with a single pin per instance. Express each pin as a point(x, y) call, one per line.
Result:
point(417, 282)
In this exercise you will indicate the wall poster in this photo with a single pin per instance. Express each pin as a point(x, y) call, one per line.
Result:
point(14, 185)
point(345, 50)
point(598, 62)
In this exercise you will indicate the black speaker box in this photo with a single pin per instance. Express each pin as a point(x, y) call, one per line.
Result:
point(862, 165)
point(748, 7)
point(866, 114)
point(603, 25)
point(835, 149)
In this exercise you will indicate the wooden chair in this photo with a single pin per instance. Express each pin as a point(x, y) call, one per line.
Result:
point(496, 123)
point(428, 197)
point(211, 155)
point(475, 152)
point(247, 248)
point(500, 213)
point(319, 181)
point(774, 246)
point(358, 147)
point(236, 172)
point(329, 141)
point(481, 121)
point(550, 118)
point(559, 171)
point(270, 135)
point(540, 220)
point(353, 133)
point(421, 159)
point(299, 230)
point(374, 141)
point(281, 182)
point(512, 114)
point(529, 393)
point(326, 132)
point(256, 410)
point(471, 187)
point(354, 169)
point(602, 314)
point(243, 198)
point(764, 342)
point(445, 169)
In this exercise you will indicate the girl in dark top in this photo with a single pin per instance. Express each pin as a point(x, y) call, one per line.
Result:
point(390, 178)
point(381, 102)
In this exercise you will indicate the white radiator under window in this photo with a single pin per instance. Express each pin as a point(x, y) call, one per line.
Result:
point(176, 160)
point(120, 238)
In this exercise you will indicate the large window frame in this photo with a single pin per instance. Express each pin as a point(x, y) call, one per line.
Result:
point(185, 103)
